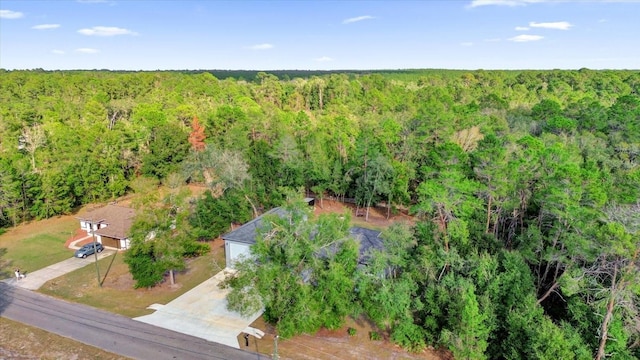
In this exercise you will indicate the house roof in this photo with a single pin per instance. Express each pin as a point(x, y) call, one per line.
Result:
point(247, 232)
point(117, 229)
point(369, 240)
point(117, 218)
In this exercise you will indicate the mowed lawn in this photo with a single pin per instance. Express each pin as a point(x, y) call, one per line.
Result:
point(37, 244)
point(115, 292)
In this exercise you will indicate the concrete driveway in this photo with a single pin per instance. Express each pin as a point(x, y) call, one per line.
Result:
point(202, 312)
point(34, 280)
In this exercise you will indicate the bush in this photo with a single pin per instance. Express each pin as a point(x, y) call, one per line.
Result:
point(352, 331)
point(194, 249)
point(374, 336)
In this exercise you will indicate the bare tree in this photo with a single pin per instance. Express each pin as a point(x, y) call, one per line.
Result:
point(468, 139)
point(34, 138)
point(221, 169)
point(609, 283)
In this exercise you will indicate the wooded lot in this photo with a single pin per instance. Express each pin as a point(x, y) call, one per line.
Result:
point(525, 184)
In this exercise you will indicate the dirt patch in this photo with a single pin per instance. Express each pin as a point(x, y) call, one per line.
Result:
point(335, 344)
point(18, 341)
point(57, 224)
point(377, 215)
point(119, 281)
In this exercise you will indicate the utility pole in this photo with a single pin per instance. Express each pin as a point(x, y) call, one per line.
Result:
point(95, 253)
point(275, 347)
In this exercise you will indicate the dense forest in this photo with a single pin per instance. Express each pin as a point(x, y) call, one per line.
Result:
point(525, 184)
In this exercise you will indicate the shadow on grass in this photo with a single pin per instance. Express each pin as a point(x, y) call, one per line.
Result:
point(113, 258)
point(6, 291)
point(5, 265)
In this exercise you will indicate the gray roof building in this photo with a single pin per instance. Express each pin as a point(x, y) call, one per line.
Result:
point(248, 232)
point(246, 235)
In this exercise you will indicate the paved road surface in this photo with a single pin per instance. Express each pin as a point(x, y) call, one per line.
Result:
point(110, 332)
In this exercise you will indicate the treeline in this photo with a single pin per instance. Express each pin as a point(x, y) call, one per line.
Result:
point(526, 182)
point(70, 138)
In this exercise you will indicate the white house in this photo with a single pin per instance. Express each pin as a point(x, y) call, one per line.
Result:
point(238, 241)
point(110, 225)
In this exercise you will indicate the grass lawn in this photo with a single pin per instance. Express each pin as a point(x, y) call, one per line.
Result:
point(38, 244)
point(117, 293)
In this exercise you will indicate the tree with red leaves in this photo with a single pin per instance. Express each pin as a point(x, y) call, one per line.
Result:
point(196, 137)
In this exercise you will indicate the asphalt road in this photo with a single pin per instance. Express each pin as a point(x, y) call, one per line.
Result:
point(107, 331)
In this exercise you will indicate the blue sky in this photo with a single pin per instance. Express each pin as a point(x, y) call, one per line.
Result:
point(319, 35)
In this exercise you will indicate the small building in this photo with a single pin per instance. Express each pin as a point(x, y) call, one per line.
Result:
point(237, 243)
point(110, 224)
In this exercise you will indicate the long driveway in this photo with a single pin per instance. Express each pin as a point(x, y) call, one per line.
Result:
point(111, 332)
point(202, 312)
point(36, 279)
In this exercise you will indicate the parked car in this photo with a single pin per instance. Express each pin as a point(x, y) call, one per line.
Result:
point(88, 249)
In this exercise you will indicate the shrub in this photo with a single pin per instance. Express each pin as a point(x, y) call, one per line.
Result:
point(194, 249)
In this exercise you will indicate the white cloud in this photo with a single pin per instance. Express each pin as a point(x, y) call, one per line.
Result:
point(265, 46)
point(558, 25)
point(87, 51)
point(478, 3)
point(521, 28)
point(357, 18)
point(8, 14)
point(57, 52)
point(467, 43)
point(106, 31)
point(46, 26)
point(323, 59)
point(526, 38)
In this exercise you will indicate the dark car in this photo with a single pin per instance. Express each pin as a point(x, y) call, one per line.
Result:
point(88, 249)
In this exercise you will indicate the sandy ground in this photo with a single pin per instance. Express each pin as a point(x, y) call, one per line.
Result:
point(337, 344)
point(377, 215)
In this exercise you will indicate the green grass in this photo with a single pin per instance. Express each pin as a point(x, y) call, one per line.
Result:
point(38, 244)
point(40, 251)
point(117, 294)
